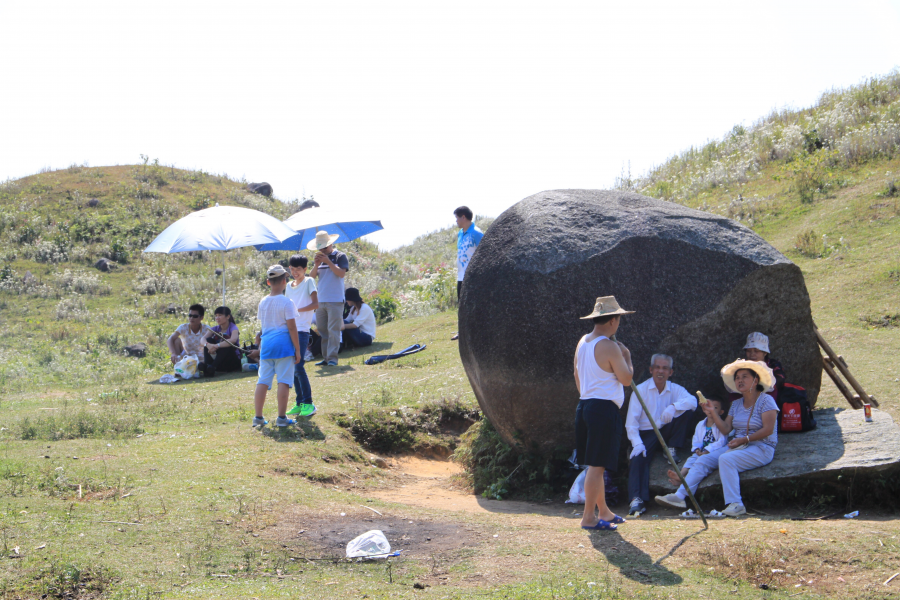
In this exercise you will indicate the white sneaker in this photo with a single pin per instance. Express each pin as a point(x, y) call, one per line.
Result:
point(734, 510)
point(672, 500)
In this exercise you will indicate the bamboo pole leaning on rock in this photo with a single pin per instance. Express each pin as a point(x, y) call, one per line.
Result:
point(852, 398)
point(838, 361)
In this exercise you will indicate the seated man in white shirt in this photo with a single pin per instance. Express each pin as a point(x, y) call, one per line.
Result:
point(671, 406)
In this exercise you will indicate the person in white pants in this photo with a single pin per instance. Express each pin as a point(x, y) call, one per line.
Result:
point(752, 419)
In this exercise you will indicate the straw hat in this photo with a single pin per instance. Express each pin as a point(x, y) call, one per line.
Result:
point(757, 340)
point(607, 306)
point(766, 376)
point(323, 240)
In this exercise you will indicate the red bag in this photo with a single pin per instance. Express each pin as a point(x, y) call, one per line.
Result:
point(795, 414)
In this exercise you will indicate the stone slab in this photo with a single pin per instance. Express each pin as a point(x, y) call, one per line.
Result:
point(843, 443)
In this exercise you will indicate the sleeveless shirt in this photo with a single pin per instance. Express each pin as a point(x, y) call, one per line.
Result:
point(595, 382)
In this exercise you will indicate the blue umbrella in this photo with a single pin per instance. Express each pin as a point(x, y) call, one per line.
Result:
point(307, 222)
point(220, 228)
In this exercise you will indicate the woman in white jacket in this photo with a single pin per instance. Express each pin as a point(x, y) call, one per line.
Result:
point(359, 326)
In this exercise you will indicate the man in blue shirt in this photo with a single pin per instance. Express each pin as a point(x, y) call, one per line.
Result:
point(466, 242)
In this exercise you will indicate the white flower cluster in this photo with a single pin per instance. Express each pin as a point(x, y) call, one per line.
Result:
point(148, 281)
point(79, 282)
point(44, 251)
point(72, 308)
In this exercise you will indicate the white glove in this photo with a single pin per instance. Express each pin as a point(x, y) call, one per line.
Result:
point(668, 414)
point(639, 449)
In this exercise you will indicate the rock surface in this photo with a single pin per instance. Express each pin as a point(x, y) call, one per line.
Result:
point(260, 188)
point(699, 283)
point(138, 350)
point(842, 442)
point(104, 264)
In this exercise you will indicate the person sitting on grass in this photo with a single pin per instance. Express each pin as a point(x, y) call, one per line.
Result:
point(707, 438)
point(752, 418)
point(220, 353)
point(279, 347)
point(359, 325)
point(189, 337)
point(302, 292)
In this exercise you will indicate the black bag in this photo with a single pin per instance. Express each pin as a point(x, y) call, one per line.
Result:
point(794, 412)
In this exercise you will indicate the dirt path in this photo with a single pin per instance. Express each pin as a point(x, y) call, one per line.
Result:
point(426, 483)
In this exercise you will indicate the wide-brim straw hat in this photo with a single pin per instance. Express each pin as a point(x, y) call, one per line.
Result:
point(323, 240)
point(607, 306)
point(766, 376)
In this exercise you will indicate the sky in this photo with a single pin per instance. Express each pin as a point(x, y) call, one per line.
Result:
point(403, 111)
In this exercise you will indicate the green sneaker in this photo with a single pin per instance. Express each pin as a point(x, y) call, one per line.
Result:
point(295, 410)
point(307, 410)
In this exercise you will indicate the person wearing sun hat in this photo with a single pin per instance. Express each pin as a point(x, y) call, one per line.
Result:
point(330, 267)
point(602, 369)
point(757, 348)
point(752, 418)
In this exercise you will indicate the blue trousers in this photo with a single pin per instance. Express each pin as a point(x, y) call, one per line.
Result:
point(675, 434)
point(357, 337)
point(301, 380)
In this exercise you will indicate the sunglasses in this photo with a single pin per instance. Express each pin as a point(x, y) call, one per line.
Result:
point(194, 316)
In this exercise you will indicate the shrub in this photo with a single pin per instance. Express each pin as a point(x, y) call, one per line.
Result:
point(80, 282)
point(385, 307)
point(809, 244)
point(72, 308)
point(148, 281)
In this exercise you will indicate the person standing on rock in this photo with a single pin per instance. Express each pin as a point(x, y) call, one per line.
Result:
point(672, 407)
point(330, 267)
point(602, 369)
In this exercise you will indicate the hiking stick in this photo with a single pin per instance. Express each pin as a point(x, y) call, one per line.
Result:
point(665, 448)
point(227, 341)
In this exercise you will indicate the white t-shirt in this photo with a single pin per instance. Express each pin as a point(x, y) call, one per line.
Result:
point(274, 311)
point(193, 342)
point(364, 319)
point(301, 296)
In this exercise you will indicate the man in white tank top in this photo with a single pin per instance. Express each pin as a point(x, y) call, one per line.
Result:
point(602, 369)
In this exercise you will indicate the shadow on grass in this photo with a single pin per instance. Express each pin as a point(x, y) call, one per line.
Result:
point(302, 431)
point(632, 562)
point(218, 377)
point(324, 371)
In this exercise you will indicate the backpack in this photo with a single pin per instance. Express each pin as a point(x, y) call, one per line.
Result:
point(794, 412)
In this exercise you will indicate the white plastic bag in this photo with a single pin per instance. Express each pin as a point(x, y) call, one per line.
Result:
point(576, 494)
point(371, 544)
point(168, 378)
point(187, 367)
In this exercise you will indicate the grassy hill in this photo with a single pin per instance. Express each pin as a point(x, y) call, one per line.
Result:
point(116, 487)
point(67, 321)
point(821, 185)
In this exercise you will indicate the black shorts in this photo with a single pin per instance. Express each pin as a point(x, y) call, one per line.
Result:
point(598, 433)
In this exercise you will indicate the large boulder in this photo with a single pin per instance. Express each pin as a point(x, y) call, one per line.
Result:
point(699, 283)
point(260, 188)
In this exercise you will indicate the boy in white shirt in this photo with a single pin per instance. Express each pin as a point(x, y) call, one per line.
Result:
point(707, 438)
point(302, 292)
point(279, 348)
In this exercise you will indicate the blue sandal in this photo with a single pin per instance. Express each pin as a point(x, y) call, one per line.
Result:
point(618, 520)
point(602, 526)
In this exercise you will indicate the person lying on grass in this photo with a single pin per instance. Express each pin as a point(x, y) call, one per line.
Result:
point(189, 337)
point(752, 418)
point(707, 438)
point(279, 347)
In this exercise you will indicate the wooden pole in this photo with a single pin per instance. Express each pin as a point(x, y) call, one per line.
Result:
point(839, 383)
point(837, 362)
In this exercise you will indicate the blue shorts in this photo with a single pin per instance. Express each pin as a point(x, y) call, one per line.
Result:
point(282, 368)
